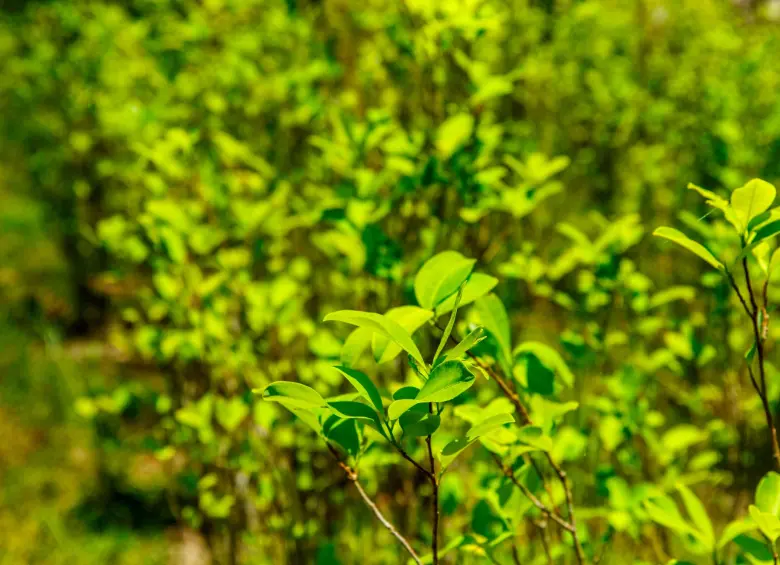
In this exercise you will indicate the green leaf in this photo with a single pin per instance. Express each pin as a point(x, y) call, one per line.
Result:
point(719, 203)
point(293, 395)
point(447, 381)
point(768, 494)
point(693, 246)
point(477, 285)
point(494, 318)
point(764, 232)
point(440, 277)
point(230, 413)
point(357, 411)
point(460, 350)
point(410, 318)
point(357, 342)
point(664, 511)
point(698, 515)
point(769, 524)
point(425, 426)
point(549, 357)
point(734, 529)
point(458, 446)
point(379, 324)
point(751, 200)
point(344, 433)
point(448, 329)
point(453, 133)
point(364, 386)
point(756, 550)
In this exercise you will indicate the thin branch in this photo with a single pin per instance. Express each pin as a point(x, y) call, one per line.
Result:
point(352, 476)
point(543, 508)
point(515, 554)
point(758, 336)
point(739, 294)
point(385, 522)
point(526, 420)
point(406, 456)
point(435, 502)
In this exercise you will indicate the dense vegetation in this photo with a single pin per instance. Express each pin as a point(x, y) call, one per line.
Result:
point(199, 197)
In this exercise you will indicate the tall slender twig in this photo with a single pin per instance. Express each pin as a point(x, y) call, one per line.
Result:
point(514, 398)
point(352, 476)
point(759, 333)
point(435, 502)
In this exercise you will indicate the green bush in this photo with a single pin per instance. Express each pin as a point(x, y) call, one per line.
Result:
point(198, 184)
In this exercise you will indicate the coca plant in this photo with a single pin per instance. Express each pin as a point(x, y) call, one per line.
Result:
point(422, 422)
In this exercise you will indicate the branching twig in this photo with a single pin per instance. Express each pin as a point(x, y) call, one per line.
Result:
point(435, 502)
point(352, 476)
point(758, 336)
point(526, 420)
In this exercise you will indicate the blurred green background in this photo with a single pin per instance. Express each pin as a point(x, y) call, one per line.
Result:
point(187, 188)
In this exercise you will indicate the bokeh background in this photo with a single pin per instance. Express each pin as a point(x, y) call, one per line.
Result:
point(188, 186)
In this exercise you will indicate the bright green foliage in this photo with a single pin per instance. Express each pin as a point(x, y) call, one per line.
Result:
point(467, 188)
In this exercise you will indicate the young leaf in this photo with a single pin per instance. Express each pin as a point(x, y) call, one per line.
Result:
point(364, 386)
point(698, 515)
point(457, 446)
point(440, 277)
point(768, 494)
point(751, 200)
point(734, 529)
point(495, 320)
point(293, 395)
point(453, 133)
point(358, 411)
point(719, 203)
point(477, 285)
point(549, 357)
point(379, 324)
point(357, 342)
point(450, 323)
point(769, 524)
point(447, 380)
point(664, 511)
point(410, 318)
point(460, 350)
point(426, 425)
point(693, 246)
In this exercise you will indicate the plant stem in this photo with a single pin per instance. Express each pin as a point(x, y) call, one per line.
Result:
point(760, 383)
point(560, 473)
point(543, 508)
point(352, 476)
point(526, 420)
point(435, 503)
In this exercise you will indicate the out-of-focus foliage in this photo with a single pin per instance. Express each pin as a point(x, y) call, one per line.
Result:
point(189, 187)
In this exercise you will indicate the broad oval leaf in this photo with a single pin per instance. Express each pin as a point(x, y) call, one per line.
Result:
point(440, 277)
point(548, 357)
point(751, 200)
point(769, 524)
point(693, 246)
point(358, 411)
point(768, 494)
point(426, 425)
point(364, 386)
point(293, 395)
point(446, 381)
point(379, 324)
